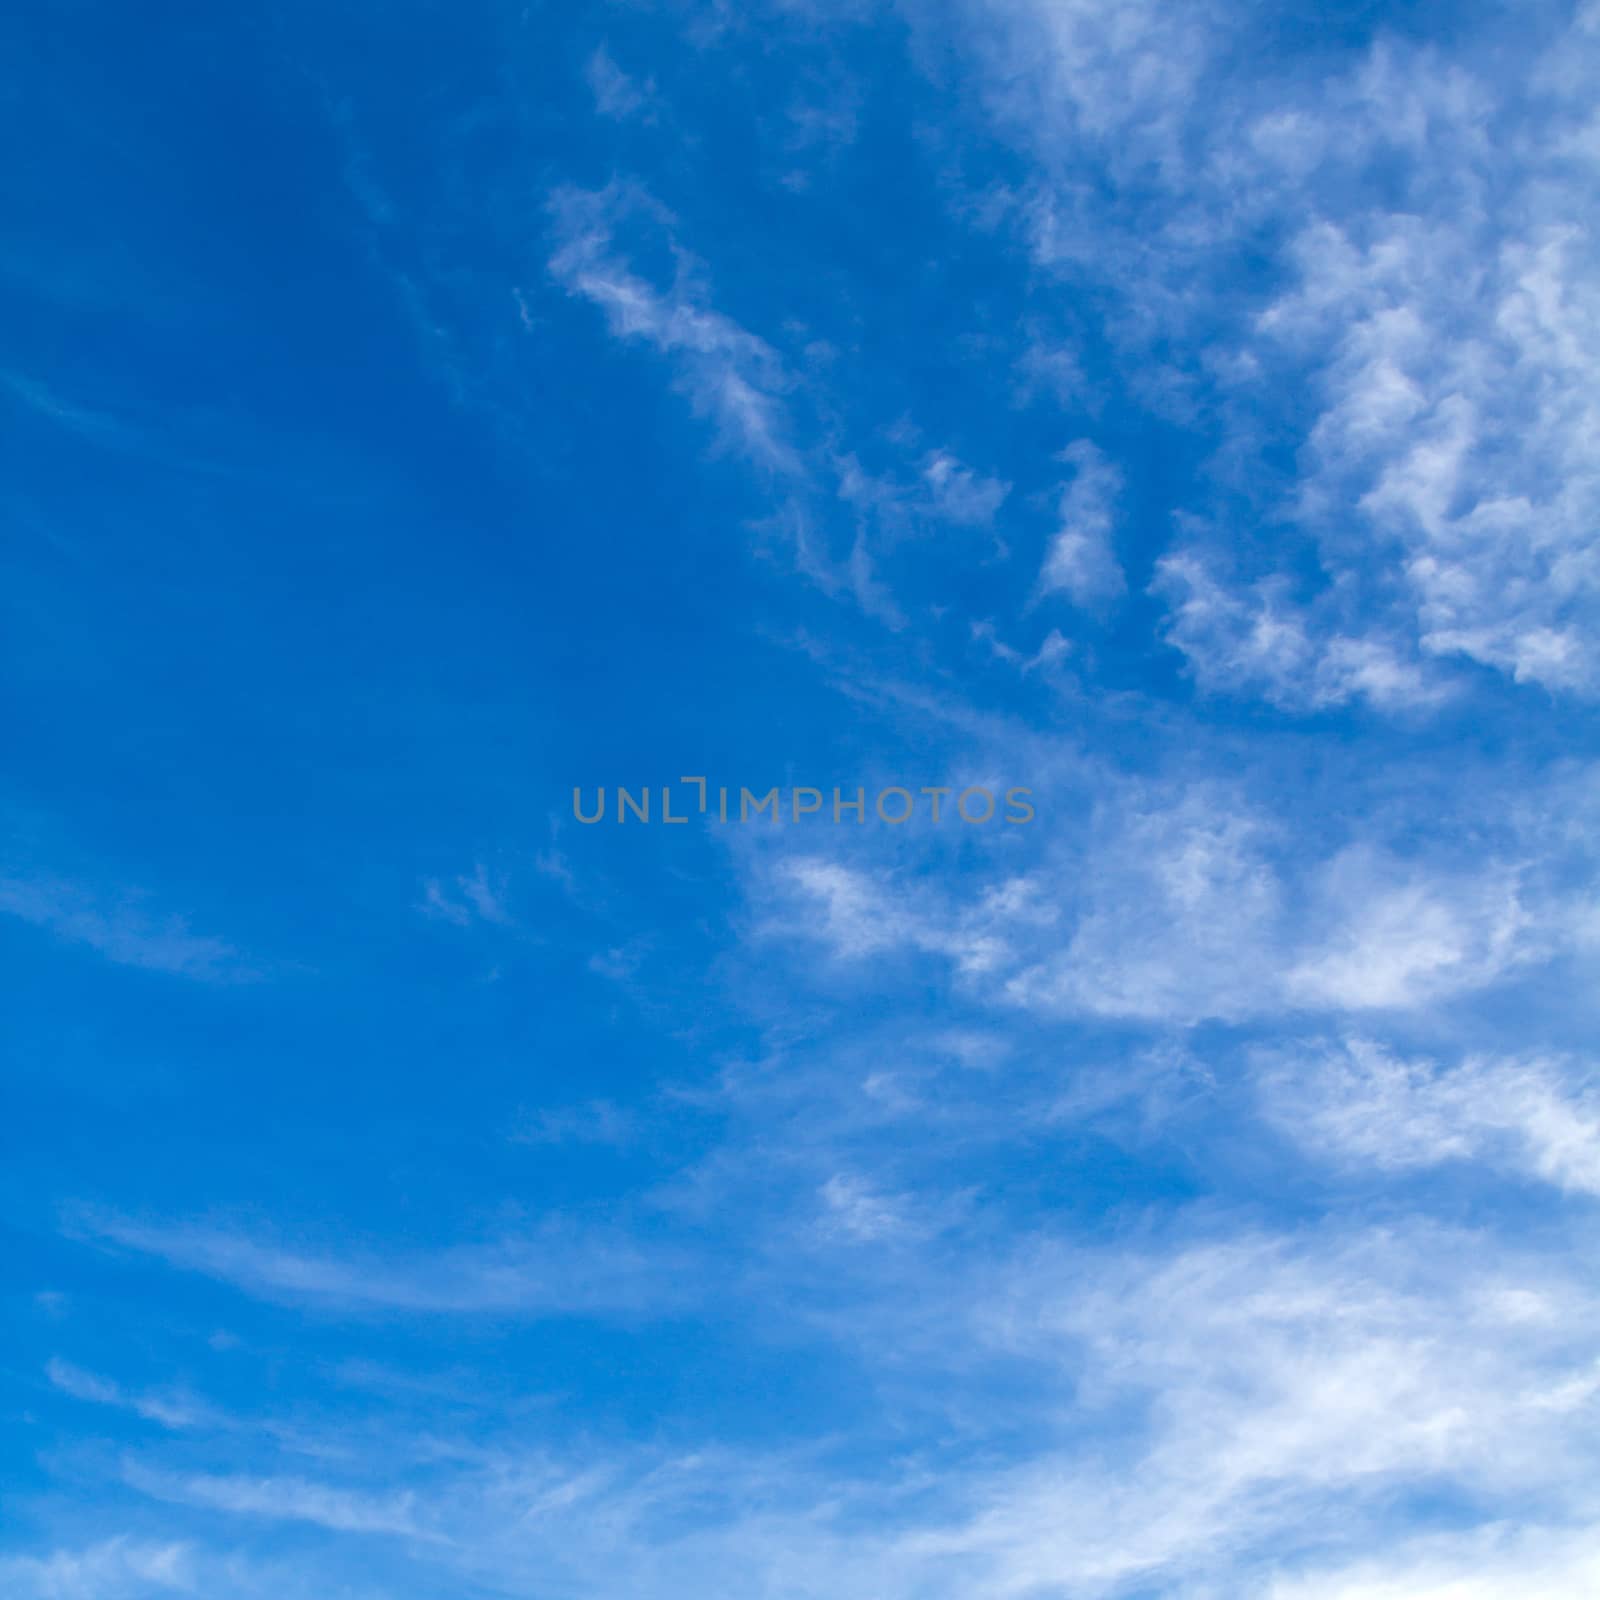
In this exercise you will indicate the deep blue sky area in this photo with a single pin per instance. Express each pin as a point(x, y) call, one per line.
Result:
point(1180, 417)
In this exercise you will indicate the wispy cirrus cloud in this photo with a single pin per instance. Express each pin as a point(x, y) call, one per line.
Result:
point(122, 928)
point(466, 899)
point(1503, 1561)
point(549, 1269)
point(1175, 903)
point(997, 1162)
point(1439, 346)
point(169, 1410)
point(839, 520)
point(335, 1509)
point(1289, 1383)
point(1363, 1107)
point(119, 1568)
point(1228, 1411)
point(730, 376)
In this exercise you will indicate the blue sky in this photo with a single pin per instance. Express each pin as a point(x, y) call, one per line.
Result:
point(1185, 413)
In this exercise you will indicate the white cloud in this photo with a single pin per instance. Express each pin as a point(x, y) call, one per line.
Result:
point(1204, 1399)
point(616, 95)
point(760, 410)
point(861, 917)
point(122, 929)
point(1258, 639)
point(599, 1122)
point(112, 1569)
point(336, 1509)
point(1179, 911)
point(41, 400)
point(1505, 1561)
point(1210, 1408)
point(1194, 1405)
point(479, 900)
point(1426, 354)
point(1362, 1106)
point(1082, 559)
point(168, 1410)
point(1171, 902)
point(1079, 79)
point(958, 494)
point(730, 376)
point(554, 1268)
point(1284, 1386)
point(1459, 398)
point(1053, 649)
point(1400, 937)
point(855, 1210)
